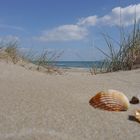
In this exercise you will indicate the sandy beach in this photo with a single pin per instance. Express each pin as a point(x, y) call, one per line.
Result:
point(39, 106)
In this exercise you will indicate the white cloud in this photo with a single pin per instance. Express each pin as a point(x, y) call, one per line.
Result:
point(79, 30)
point(113, 18)
point(64, 33)
point(127, 15)
point(88, 21)
point(11, 27)
point(9, 38)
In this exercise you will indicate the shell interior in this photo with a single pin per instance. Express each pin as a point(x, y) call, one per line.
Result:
point(137, 115)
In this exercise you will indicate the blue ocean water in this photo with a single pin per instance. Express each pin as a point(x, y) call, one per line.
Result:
point(78, 64)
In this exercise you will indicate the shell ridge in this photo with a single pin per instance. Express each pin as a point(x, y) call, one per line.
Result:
point(112, 100)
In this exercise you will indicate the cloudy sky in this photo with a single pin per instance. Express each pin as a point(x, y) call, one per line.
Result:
point(72, 26)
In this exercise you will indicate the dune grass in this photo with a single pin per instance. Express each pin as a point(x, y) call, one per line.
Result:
point(47, 60)
point(129, 50)
point(11, 53)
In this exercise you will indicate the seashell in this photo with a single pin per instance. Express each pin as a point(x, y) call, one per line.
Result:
point(112, 100)
point(137, 115)
point(135, 99)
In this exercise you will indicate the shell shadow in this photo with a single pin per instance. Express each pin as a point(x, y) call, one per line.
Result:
point(132, 118)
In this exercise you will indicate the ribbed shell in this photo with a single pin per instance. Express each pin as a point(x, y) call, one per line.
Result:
point(112, 101)
point(137, 115)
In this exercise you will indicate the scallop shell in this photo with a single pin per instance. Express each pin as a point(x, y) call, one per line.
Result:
point(112, 100)
point(137, 115)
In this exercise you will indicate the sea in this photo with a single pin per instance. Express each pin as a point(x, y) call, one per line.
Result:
point(78, 64)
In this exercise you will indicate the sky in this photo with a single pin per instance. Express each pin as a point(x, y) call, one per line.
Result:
point(73, 27)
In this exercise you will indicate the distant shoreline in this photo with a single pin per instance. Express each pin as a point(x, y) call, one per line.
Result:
point(77, 64)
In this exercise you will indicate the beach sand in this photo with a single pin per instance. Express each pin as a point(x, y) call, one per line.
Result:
point(39, 106)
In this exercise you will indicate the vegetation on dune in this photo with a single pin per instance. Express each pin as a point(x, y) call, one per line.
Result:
point(9, 51)
point(128, 53)
point(47, 60)
point(43, 62)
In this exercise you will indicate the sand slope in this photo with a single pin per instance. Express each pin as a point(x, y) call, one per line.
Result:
point(36, 106)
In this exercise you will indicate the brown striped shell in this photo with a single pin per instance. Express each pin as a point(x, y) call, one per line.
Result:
point(137, 115)
point(112, 101)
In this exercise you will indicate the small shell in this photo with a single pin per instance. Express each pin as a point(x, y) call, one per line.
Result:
point(112, 101)
point(134, 100)
point(137, 115)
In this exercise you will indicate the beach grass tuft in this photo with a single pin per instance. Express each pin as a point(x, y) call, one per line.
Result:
point(9, 51)
point(44, 61)
point(128, 53)
point(47, 60)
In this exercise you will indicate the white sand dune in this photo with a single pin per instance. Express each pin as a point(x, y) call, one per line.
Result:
point(36, 106)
